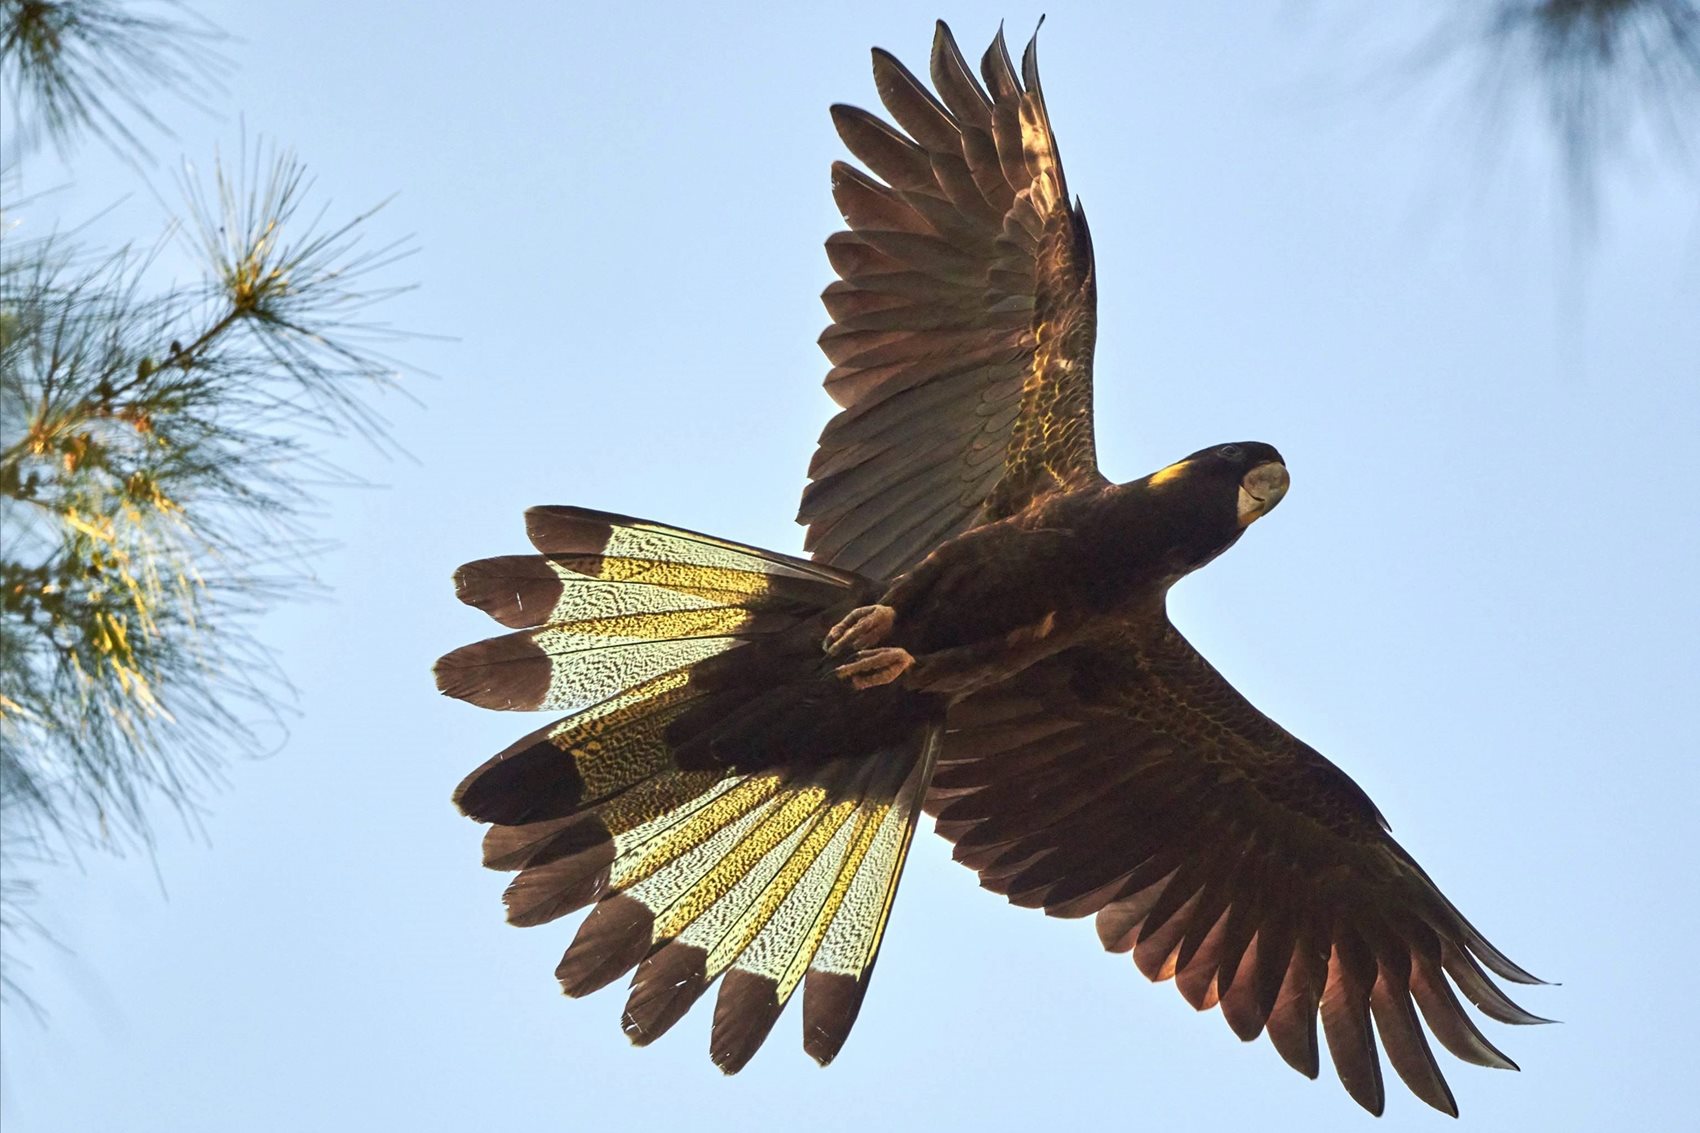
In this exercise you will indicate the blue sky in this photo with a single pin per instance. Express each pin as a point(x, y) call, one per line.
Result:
point(1477, 597)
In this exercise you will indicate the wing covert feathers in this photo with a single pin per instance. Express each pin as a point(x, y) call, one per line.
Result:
point(963, 318)
point(1131, 782)
point(712, 835)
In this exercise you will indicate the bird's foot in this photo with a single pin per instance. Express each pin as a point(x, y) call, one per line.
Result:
point(873, 667)
point(862, 628)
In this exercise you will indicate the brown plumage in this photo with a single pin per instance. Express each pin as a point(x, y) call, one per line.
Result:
point(749, 737)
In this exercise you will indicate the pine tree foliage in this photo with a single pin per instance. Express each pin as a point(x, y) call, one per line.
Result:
point(96, 67)
point(159, 445)
point(1609, 77)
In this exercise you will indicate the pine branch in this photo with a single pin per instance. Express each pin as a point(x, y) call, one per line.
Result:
point(151, 497)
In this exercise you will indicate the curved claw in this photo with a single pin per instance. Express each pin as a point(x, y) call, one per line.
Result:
point(873, 667)
point(862, 628)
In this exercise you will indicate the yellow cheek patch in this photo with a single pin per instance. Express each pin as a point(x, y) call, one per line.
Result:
point(1163, 475)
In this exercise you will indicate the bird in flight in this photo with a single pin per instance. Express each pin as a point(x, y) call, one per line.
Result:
point(746, 739)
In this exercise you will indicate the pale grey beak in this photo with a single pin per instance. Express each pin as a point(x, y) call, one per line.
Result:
point(1262, 489)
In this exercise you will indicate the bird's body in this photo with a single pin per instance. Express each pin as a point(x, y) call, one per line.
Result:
point(748, 738)
point(1068, 569)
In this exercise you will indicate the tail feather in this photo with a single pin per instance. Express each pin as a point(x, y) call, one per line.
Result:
point(718, 921)
point(581, 759)
point(732, 811)
point(585, 531)
point(538, 843)
point(838, 980)
point(612, 603)
point(522, 591)
point(570, 666)
point(565, 885)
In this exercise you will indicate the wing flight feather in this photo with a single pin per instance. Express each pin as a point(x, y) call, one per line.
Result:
point(1129, 780)
point(963, 318)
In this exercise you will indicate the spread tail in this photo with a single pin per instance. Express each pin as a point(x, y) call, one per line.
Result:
point(731, 809)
